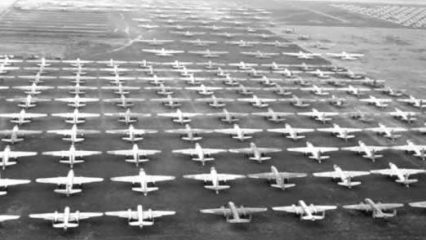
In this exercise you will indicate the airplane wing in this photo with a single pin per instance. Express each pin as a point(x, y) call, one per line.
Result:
point(48, 216)
point(322, 207)
point(185, 131)
point(81, 115)
point(131, 179)
point(84, 215)
point(27, 115)
point(299, 149)
point(289, 209)
point(8, 217)
point(249, 210)
point(189, 151)
point(72, 99)
point(217, 211)
point(53, 180)
point(334, 174)
point(123, 214)
point(270, 175)
point(66, 153)
point(208, 177)
point(143, 152)
point(404, 171)
point(28, 132)
point(16, 154)
point(83, 180)
point(158, 178)
point(386, 206)
point(210, 151)
point(12, 182)
point(360, 149)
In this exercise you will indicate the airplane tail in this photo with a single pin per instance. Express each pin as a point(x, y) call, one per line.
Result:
point(240, 220)
point(407, 182)
point(283, 186)
point(349, 184)
point(145, 191)
point(20, 121)
point(313, 217)
point(181, 121)
point(23, 105)
point(231, 120)
point(8, 163)
point(10, 140)
point(78, 121)
point(73, 140)
point(134, 139)
point(259, 159)
point(141, 223)
point(132, 160)
point(242, 138)
point(203, 160)
point(128, 121)
point(319, 158)
point(125, 105)
point(71, 162)
point(217, 188)
point(296, 137)
point(374, 157)
point(65, 226)
point(67, 192)
point(76, 105)
point(192, 139)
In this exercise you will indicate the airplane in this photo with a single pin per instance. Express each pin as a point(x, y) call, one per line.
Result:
point(190, 134)
point(345, 177)
point(319, 116)
point(69, 182)
point(4, 218)
point(132, 133)
point(73, 133)
point(366, 151)
point(258, 102)
point(76, 117)
point(256, 153)
point(124, 101)
point(208, 53)
point(354, 91)
point(279, 178)
point(293, 133)
point(315, 152)
point(199, 153)
point(27, 102)
point(137, 155)
point(22, 116)
point(77, 88)
point(307, 212)
point(67, 219)
point(7, 182)
point(239, 133)
point(273, 116)
point(415, 102)
point(215, 178)
point(411, 147)
point(234, 214)
point(298, 102)
point(162, 89)
point(120, 89)
point(259, 54)
point(77, 101)
point(345, 56)
point(143, 179)
point(33, 89)
point(402, 174)
point(242, 43)
point(214, 101)
point(8, 154)
point(179, 116)
point(413, 204)
point(339, 132)
point(199, 42)
point(162, 52)
point(378, 102)
point(387, 132)
point(320, 74)
point(187, 33)
point(337, 101)
point(72, 154)
point(408, 117)
point(389, 91)
point(204, 90)
point(243, 90)
point(154, 41)
point(302, 55)
point(140, 217)
point(226, 116)
point(170, 101)
point(127, 117)
point(243, 65)
point(15, 134)
point(377, 209)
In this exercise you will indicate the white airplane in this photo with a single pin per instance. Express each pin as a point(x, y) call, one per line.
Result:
point(234, 214)
point(73, 133)
point(418, 204)
point(408, 117)
point(7, 182)
point(15, 134)
point(319, 116)
point(77, 101)
point(243, 65)
point(137, 155)
point(378, 102)
point(415, 102)
point(319, 91)
point(280, 178)
point(128, 116)
point(226, 116)
point(302, 55)
point(345, 177)
point(292, 133)
point(208, 53)
point(366, 151)
point(239, 133)
point(256, 153)
point(214, 101)
point(189, 133)
point(387, 132)
point(143, 179)
point(204, 90)
point(402, 174)
point(154, 41)
point(170, 101)
point(355, 91)
point(67, 219)
point(8, 154)
point(273, 116)
point(179, 116)
point(33, 89)
point(411, 147)
point(77, 88)
point(315, 152)
point(298, 102)
point(132, 134)
point(199, 153)
point(4, 218)
point(72, 155)
point(257, 101)
point(215, 178)
point(199, 42)
point(259, 54)
point(27, 102)
point(119, 89)
point(340, 132)
point(140, 217)
point(346, 56)
point(75, 117)
point(376, 208)
point(124, 101)
point(22, 116)
point(307, 212)
point(69, 182)
point(163, 52)
point(242, 43)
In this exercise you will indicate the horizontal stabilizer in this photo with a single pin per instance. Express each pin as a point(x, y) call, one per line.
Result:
point(241, 220)
point(217, 188)
point(260, 159)
point(140, 224)
point(312, 218)
point(349, 184)
point(283, 186)
point(65, 226)
point(71, 162)
point(145, 190)
point(67, 192)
